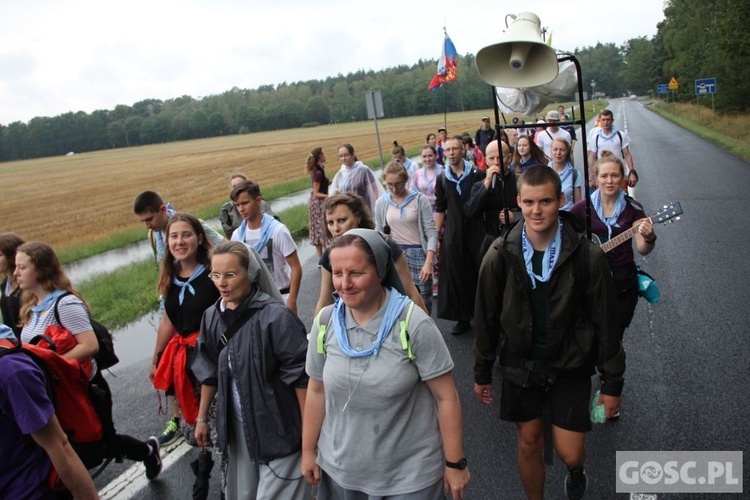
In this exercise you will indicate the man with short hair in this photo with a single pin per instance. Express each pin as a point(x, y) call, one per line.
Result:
point(462, 240)
point(546, 135)
point(229, 217)
point(546, 298)
point(485, 134)
point(151, 210)
point(270, 238)
point(608, 138)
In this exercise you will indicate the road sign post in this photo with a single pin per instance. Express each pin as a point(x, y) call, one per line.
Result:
point(374, 103)
point(705, 86)
point(673, 85)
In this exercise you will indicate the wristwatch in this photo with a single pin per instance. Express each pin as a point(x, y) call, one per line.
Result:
point(460, 465)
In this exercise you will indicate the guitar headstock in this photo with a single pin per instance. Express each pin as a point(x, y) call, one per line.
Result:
point(668, 213)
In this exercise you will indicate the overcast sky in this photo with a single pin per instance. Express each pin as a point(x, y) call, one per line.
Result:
point(81, 55)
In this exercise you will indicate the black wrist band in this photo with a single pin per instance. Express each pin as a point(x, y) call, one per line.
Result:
point(460, 465)
point(650, 242)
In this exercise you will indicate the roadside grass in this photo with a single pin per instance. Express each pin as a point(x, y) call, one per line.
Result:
point(729, 132)
point(124, 295)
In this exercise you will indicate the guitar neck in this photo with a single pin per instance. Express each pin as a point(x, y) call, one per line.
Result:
point(619, 239)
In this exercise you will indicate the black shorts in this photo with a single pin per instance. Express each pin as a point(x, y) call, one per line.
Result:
point(569, 396)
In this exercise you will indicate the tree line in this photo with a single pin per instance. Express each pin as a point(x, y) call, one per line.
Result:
point(697, 39)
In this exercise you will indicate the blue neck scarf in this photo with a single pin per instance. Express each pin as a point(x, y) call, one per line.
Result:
point(347, 173)
point(389, 200)
point(185, 285)
point(394, 306)
point(551, 254)
point(6, 333)
point(450, 176)
point(160, 248)
point(45, 304)
point(267, 225)
point(608, 136)
point(620, 204)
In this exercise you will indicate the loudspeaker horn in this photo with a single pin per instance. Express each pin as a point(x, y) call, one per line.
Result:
point(521, 59)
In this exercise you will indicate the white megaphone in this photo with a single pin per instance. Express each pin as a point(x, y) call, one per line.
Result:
point(521, 59)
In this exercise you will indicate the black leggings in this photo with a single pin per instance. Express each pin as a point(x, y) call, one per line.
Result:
point(119, 446)
point(627, 299)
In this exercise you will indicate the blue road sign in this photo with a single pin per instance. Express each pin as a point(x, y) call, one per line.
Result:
point(662, 88)
point(705, 86)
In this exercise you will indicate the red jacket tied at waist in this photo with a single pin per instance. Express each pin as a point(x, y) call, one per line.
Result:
point(172, 372)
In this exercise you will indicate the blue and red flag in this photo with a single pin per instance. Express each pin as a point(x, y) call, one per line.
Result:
point(446, 70)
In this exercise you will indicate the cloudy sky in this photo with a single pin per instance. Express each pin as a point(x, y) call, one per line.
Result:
point(82, 55)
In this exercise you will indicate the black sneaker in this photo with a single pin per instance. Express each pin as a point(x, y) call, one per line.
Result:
point(153, 460)
point(575, 483)
point(461, 327)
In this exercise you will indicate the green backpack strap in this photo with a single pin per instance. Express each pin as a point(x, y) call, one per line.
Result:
point(404, 334)
point(322, 319)
point(324, 316)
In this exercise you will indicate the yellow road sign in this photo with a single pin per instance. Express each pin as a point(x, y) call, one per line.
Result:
point(673, 85)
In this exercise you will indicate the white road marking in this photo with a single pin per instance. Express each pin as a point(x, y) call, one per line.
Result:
point(130, 482)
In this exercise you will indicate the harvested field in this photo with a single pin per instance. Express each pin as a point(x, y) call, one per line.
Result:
point(74, 200)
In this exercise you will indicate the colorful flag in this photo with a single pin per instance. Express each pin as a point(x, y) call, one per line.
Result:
point(446, 70)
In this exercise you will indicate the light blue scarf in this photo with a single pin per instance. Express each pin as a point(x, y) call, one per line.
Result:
point(608, 136)
point(267, 225)
point(394, 306)
point(620, 204)
point(185, 285)
point(389, 200)
point(6, 332)
point(160, 248)
point(451, 177)
point(48, 302)
point(551, 254)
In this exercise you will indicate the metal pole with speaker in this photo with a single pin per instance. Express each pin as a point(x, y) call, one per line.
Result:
point(522, 59)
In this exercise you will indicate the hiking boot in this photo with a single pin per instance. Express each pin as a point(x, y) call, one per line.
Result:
point(171, 433)
point(153, 460)
point(575, 483)
point(461, 327)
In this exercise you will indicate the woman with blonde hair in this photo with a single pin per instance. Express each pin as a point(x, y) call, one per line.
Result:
point(572, 182)
point(405, 215)
point(50, 300)
point(315, 168)
point(612, 213)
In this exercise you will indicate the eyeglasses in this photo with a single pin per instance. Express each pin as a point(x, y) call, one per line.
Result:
point(397, 185)
point(218, 276)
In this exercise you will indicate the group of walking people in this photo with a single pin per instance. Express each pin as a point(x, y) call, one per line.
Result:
point(364, 405)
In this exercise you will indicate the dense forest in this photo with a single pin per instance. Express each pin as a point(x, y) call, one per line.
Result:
point(697, 39)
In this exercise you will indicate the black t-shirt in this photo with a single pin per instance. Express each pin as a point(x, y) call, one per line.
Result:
point(186, 318)
point(538, 310)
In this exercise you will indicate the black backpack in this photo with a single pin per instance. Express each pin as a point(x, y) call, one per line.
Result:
point(106, 357)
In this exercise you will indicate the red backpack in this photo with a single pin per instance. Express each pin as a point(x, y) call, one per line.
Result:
point(68, 389)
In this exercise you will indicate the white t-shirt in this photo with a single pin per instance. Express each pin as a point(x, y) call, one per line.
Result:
point(613, 143)
point(280, 246)
point(545, 138)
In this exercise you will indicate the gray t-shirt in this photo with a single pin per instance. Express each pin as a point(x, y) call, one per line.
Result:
point(387, 441)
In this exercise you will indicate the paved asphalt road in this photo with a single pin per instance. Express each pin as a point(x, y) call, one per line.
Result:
point(687, 376)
